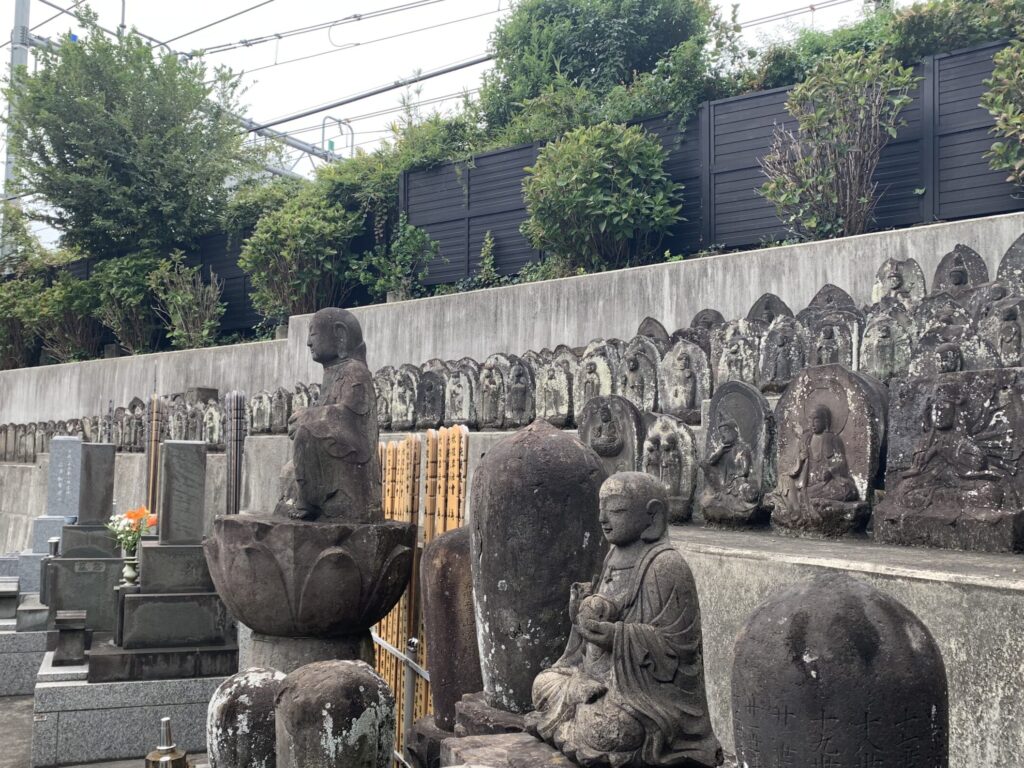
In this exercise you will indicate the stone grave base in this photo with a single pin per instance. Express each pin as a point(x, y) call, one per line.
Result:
point(78, 722)
point(423, 743)
point(21, 653)
point(109, 663)
point(475, 717)
point(286, 654)
point(504, 750)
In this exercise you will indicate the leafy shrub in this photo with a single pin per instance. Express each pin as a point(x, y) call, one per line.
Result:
point(600, 198)
point(66, 322)
point(252, 201)
point(398, 271)
point(189, 308)
point(18, 320)
point(1004, 100)
point(821, 178)
point(125, 300)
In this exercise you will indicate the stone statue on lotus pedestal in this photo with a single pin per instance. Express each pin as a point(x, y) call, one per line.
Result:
point(629, 689)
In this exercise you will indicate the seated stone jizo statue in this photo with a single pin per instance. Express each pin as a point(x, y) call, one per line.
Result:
point(629, 689)
point(334, 474)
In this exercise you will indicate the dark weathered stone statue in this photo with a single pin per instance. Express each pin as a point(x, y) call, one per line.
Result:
point(684, 381)
point(783, 354)
point(430, 400)
point(335, 470)
point(959, 273)
point(629, 688)
point(900, 281)
point(535, 531)
point(613, 428)
point(670, 455)
point(240, 720)
point(766, 309)
point(835, 673)
point(384, 389)
point(1011, 267)
point(952, 477)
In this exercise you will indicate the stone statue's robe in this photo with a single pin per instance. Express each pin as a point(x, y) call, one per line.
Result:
point(643, 703)
point(335, 470)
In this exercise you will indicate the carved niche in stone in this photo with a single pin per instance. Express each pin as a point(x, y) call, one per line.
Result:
point(684, 381)
point(430, 399)
point(533, 361)
point(898, 281)
point(260, 414)
point(888, 346)
point(280, 411)
point(831, 423)
point(595, 377)
point(384, 391)
point(403, 400)
point(638, 379)
point(520, 401)
point(959, 273)
point(1011, 267)
point(613, 427)
point(953, 479)
point(937, 311)
point(739, 456)
point(766, 309)
point(670, 454)
point(783, 354)
point(461, 394)
point(554, 394)
point(629, 688)
point(831, 342)
point(735, 348)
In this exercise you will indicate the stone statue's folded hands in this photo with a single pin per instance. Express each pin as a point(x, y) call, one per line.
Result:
point(600, 633)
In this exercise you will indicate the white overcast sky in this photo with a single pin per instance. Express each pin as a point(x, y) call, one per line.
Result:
point(354, 59)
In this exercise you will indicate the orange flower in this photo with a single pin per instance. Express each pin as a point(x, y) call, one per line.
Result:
point(136, 514)
point(151, 521)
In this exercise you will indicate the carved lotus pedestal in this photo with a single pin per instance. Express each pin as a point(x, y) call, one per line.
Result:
point(309, 591)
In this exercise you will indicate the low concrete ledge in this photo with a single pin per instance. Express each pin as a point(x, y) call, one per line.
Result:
point(972, 603)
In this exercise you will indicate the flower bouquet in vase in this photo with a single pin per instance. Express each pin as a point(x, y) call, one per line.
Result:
point(128, 528)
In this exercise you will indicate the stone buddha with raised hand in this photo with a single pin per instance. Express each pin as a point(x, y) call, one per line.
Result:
point(335, 470)
point(629, 689)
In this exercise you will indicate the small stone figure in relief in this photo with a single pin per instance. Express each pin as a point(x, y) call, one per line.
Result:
point(591, 382)
point(519, 405)
point(827, 348)
point(334, 473)
point(492, 406)
point(628, 691)
point(606, 440)
point(1010, 336)
point(727, 474)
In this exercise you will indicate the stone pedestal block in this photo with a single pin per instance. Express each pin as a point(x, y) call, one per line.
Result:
point(32, 616)
point(475, 717)
point(70, 650)
point(510, 750)
point(423, 743)
point(28, 570)
point(170, 568)
point(240, 729)
point(168, 621)
point(182, 492)
point(88, 541)
point(335, 713)
point(85, 584)
point(289, 653)
point(44, 528)
point(111, 664)
point(8, 597)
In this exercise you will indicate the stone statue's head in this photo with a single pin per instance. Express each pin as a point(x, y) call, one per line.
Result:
point(728, 432)
point(606, 414)
point(894, 278)
point(944, 406)
point(671, 441)
point(334, 335)
point(1010, 314)
point(684, 360)
point(884, 331)
point(821, 419)
point(828, 332)
point(633, 363)
point(958, 272)
point(591, 366)
point(634, 508)
point(950, 357)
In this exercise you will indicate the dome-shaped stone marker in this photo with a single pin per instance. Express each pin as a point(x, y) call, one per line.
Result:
point(335, 714)
point(833, 672)
point(240, 720)
point(535, 532)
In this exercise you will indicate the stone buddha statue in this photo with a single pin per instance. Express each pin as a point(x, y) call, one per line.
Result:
point(334, 473)
point(629, 689)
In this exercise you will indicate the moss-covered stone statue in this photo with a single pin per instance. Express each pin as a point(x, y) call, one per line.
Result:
point(629, 689)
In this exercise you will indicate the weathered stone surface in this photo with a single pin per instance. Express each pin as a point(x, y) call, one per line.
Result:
point(1003, 329)
point(739, 456)
point(654, 331)
point(960, 271)
point(834, 672)
point(334, 473)
point(297, 579)
point(461, 394)
point(335, 713)
point(734, 352)
point(832, 340)
point(613, 428)
point(423, 743)
point(430, 400)
point(384, 391)
point(88, 541)
point(169, 568)
point(512, 750)
point(831, 423)
point(287, 654)
point(952, 476)
point(684, 381)
point(109, 663)
point(670, 454)
point(520, 403)
point(240, 724)
point(96, 494)
point(538, 485)
point(64, 479)
point(85, 584)
point(182, 492)
point(951, 347)
point(174, 621)
point(1011, 266)
point(8, 597)
point(783, 354)
point(475, 717)
point(493, 391)
point(767, 309)
point(629, 687)
point(887, 346)
point(555, 393)
point(639, 376)
point(900, 281)
point(596, 376)
point(453, 656)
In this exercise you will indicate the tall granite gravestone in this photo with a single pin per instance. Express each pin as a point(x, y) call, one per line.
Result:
point(684, 381)
point(670, 455)
point(739, 456)
point(833, 672)
point(173, 624)
point(614, 429)
point(952, 479)
point(84, 488)
point(628, 689)
point(535, 532)
point(831, 427)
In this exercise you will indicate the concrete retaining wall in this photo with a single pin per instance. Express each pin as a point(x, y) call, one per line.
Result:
point(512, 319)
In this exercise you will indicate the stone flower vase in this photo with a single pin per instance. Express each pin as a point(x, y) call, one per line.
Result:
point(130, 571)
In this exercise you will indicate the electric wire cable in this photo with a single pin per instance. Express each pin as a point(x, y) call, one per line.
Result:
point(220, 21)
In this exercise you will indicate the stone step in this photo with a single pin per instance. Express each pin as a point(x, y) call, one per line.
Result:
point(175, 620)
point(44, 528)
point(111, 664)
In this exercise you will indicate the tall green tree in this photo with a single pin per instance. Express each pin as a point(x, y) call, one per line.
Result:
point(130, 147)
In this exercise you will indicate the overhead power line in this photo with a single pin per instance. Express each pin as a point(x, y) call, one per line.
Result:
point(220, 21)
point(792, 13)
point(47, 21)
point(274, 36)
point(376, 91)
point(350, 46)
